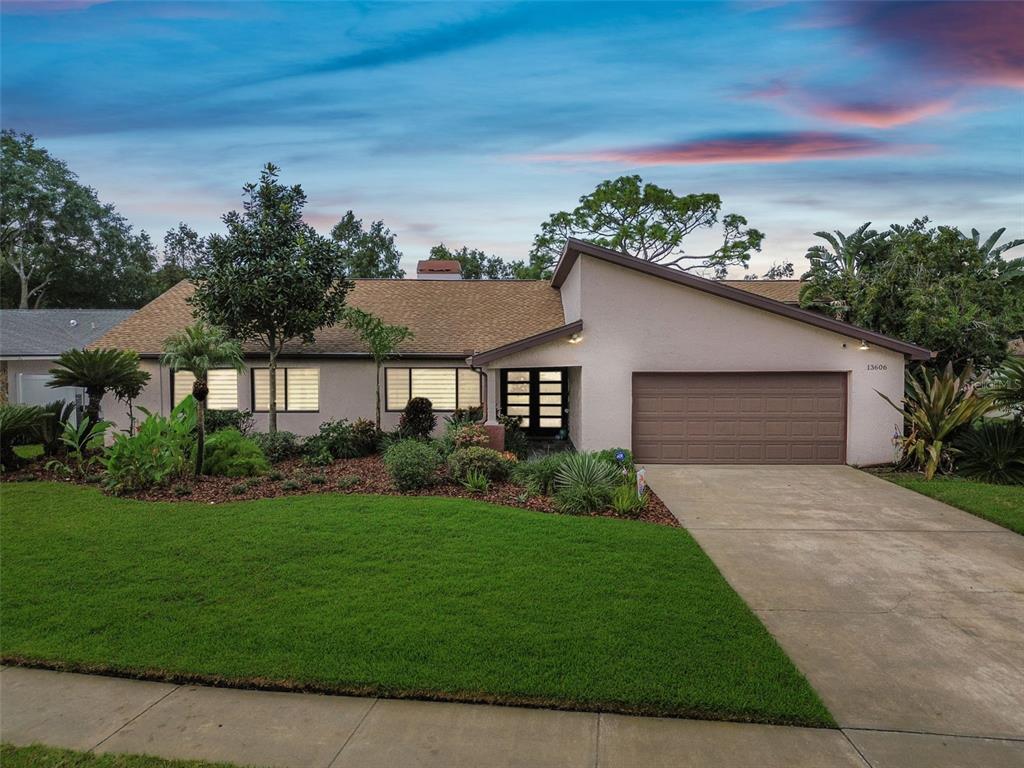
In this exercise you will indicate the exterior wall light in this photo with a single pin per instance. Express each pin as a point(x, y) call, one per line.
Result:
point(863, 346)
point(576, 338)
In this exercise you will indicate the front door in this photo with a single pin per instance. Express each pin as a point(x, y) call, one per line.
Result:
point(539, 397)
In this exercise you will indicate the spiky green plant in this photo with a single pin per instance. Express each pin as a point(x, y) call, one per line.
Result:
point(992, 452)
point(200, 348)
point(98, 371)
point(55, 416)
point(18, 424)
point(937, 406)
point(1007, 385)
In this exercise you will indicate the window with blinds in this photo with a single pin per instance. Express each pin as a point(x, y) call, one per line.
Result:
point(298, 389)
point(223, 384)
point(445, 388)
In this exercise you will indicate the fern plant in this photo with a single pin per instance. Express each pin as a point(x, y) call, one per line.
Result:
point(937, 406)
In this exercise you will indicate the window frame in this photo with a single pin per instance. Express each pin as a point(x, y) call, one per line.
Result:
point(286, 409)
point(408, 372)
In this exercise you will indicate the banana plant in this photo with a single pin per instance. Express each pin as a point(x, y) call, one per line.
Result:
point(936, 407)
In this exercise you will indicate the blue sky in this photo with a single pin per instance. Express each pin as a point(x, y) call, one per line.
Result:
point(469, 123)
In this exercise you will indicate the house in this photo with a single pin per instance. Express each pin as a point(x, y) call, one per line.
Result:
point(612, 351)
point(31, 340)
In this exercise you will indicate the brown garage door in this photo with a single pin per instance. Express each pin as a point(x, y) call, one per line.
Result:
point(739, 418)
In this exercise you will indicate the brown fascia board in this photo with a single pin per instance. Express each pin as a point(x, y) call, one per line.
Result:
point(574, 248)
point(482, 358)
point(338, 355)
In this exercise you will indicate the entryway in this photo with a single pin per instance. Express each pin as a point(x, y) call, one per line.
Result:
point(539, 397)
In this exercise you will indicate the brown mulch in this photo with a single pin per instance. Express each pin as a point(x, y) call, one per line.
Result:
point(365, 475)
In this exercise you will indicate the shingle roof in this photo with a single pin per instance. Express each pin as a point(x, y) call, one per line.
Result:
point(448, 317)
point(786, 291)
point(49, 332)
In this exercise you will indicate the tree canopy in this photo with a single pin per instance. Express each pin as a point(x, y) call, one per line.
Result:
point(368, 252)
point(650, 223)
point(272, 278)
point(183, 248)
point(477, 265)
point(61, 246)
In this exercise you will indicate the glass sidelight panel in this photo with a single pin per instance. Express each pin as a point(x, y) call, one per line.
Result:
point(537, 397)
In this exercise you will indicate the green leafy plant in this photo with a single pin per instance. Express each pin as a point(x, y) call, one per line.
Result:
point(99, 371)
point(348, 481)
point(19, 424)
point(477, 482)
point(937, 406)
point(380, 339)
point(1007, 386)
point(319, 458)
point(158, 453)
point(620, 458)
point(488, 462)
point(582, 499)
point(229, 453)
point(182, 489)
point(217, 420)
point(418, 419)
point(626, 502)
point(291, 484)
point(365, 437)
point(538, 474)
point(469, 435)
point(51, 426)
point(341, 440)
point(516, 440)
point(239, 488)
point(317, 479)
point(275, 475)
point(465, 415)
point(278, 446)
point(412, 464)
point(584, 483)
point(77, 440)
point(993, 452)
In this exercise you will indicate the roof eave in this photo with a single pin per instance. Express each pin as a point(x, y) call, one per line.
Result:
point(554, 334)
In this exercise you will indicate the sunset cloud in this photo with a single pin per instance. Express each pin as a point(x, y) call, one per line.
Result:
point(879, 114)
point(789, 147)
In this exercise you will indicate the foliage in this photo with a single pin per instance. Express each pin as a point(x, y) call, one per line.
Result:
point(272, 278)
point(51, 426)
point(412, 464)
point(232, 454)
point(477, 482)
point(341, 440)
point(465, 415)
point(380, 339)
point(239, 488)
point(620, 458)
point(928, 285)
point(158, 454)
point(936, 407)
point(492, 464)
point(993, 452)
point(78, 442)
point(418, 419)
point(625, 501)
point(477, 265)
point(582, 499)
point(777, 271)
point(183, 248)
point(585, 482)
point(217, 420)
point(832, 278)
point(347, 481)
point(365, 437)
point(200, 348)
point(98, 371)
point(368, 253)
point(467, 435)
point(647, 222)
point(278, 446)
point(291, 484)
point(19, 424)
point(1007, 385)
point(59, 245)
point(538, 474)
point(516, 440)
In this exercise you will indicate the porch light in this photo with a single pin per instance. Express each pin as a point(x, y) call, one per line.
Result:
point(576, 338)
point(863, 346)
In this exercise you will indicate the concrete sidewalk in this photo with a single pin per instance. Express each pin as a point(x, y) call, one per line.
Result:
point(87, 712)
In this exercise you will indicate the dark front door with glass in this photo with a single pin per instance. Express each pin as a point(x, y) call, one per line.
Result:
point(539, 397)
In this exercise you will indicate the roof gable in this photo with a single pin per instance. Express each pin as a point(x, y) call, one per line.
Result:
point(575, 248)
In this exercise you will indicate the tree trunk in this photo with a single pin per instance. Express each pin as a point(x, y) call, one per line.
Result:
point(200, 390)
point(92, 408)
point(272, 370)
point(378, 396)
point(24, 291)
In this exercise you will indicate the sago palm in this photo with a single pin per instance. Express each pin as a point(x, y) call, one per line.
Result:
point(200, 348)
point(98, 371)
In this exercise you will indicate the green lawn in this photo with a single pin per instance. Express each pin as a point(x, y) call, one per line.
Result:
point(390, 595)
point(48, 757)
point(1002, 504)
point(33, 451)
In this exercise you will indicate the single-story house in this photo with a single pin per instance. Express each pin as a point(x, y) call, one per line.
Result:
point(612, 351)
point(31, 340)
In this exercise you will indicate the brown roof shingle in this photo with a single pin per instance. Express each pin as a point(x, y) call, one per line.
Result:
point(786, 291)
point(448, 317)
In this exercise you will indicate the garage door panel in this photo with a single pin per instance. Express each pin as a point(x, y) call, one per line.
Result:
point(740, 418)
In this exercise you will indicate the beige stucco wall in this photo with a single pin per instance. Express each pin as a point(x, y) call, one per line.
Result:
point(635, 322)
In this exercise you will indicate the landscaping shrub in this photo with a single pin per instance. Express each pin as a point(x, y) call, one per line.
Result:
point(229, 453)
point(469, 435)
point(585, 483)
point(582, 499)
point(51, 426)
point(80, 458)
point(625, 501)
point(492, 464)
point(291, 485)
point(159, 452)
point(365, 437)
point(278, 446)
point(19, 424)
point(218, 420)
point(412, 464)
point(466, 415)
point(239, 488)
point(477, 482)
point(317, 479)
point(622, 458)
point(348, 481)
point(538, 475)
point(515, 438)
point(418, 419)
point(993, 452)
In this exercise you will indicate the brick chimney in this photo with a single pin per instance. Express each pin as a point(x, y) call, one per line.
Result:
point(439, 269)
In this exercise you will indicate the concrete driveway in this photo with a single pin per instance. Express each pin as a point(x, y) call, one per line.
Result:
point(906, 615)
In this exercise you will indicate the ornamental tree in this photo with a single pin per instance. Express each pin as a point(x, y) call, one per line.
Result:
point(99, 371)
point(380, 339)
point(272, 278)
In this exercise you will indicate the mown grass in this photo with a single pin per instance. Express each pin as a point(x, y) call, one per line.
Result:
point(38, 756)
point(1000, 504)
point(388, 595)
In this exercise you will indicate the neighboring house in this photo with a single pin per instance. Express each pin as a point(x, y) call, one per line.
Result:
point(32, 339)
point(613, 351)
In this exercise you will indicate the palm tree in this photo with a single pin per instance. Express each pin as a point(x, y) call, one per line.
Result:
point(98, 371)
point(199, 348)
point(834, 272)
point(380, 339)
point(989, 247)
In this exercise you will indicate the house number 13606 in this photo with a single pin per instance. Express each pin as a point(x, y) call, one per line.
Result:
point(877, 367)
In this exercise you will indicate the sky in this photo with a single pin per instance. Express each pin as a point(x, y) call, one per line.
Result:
point(470, 123)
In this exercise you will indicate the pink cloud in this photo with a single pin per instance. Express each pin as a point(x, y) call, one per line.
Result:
point(879, 114)
point(752, 148)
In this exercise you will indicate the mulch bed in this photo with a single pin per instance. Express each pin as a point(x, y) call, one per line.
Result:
point(364, 475)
